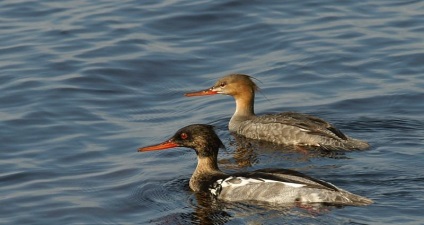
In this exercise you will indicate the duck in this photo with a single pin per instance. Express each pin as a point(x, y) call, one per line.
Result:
point(287, 128)
point(269, 186)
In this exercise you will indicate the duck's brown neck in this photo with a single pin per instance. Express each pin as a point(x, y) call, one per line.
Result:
point(206, 167)
point(245, 104)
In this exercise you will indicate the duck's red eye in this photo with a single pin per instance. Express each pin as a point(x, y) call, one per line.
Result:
point(183, 136)
point(223, 84)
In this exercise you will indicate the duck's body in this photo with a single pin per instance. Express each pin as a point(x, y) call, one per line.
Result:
point(288, 128)
point(275, 186)
point(292, 128)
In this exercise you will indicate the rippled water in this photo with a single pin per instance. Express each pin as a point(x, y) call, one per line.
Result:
point(85, 83)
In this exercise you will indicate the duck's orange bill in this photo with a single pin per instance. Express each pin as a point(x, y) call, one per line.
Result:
point(200, 93)
point(164, 145)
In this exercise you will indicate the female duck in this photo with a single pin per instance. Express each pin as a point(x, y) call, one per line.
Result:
point(288, 128)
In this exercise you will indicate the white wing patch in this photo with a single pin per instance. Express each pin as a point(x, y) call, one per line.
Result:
point(235, 182)
point(304, 130)
point(214, 190)
point(242, 181)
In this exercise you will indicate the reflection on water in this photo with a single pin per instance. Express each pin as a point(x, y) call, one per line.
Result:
point(207, 210)
point(211, 211)
point(247, 151)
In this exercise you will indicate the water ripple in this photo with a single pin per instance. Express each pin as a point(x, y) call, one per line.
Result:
point(85, 83)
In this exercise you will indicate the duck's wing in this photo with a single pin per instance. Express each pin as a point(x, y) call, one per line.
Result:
point(266, 178)
point(295, 177)
point(307, 123)
point(282, 186)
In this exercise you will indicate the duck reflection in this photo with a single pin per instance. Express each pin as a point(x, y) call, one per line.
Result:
point(247, 152)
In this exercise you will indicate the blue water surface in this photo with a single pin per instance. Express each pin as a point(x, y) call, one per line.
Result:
point(85, 83)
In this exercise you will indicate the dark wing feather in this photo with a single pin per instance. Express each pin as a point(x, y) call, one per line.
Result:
point(290, 176)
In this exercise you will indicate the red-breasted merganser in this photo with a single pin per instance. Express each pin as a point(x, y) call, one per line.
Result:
point(274, 186)
point(289, 128)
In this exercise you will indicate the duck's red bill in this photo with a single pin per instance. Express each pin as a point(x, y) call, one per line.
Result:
point(164, 145)
point(201, 93)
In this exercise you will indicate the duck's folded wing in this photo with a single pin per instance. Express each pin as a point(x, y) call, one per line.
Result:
point(307, 123)
point(267, 177)
point(296, 177)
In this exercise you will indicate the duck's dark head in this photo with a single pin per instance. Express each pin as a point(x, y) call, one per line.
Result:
point(200, 137)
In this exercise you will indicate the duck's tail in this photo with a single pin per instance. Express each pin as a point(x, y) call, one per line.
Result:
point(347, 198)
point(349, 144)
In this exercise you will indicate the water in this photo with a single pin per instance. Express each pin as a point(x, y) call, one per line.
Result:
point(85, 83)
